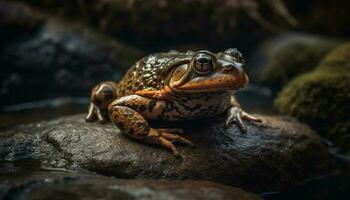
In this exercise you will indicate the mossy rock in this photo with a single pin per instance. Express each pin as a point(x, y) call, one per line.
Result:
point(339, 59)
point(321, 98)
point(293, 59)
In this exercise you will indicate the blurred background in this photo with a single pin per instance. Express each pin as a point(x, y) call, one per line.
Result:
point(52, 52)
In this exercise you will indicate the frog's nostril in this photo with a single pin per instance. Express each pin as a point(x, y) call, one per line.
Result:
point(229, 67)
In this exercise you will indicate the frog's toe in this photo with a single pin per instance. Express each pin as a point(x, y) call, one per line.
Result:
point(176, 138)
point(101, 118)
point(90, 117)
point(235, 115)
point(166, 139)
point(95, 113)
point(250, 117)
point(169, 145)
point(241, 127)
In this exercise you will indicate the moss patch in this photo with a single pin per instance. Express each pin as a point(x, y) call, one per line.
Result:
point(293, 60)
point(321, 98)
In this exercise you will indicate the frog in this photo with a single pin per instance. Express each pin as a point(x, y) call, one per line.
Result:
point(172, 86)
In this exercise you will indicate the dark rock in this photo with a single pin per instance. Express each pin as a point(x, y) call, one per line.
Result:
point(43, 58)
point(321, 98)
point(321, 17)
point(274, 154)
point(66, 185)
point(281, 58)
point(330, 187)
point(149, 23)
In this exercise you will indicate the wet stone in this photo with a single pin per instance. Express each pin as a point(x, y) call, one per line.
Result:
point(68, 185)
point(277, 153)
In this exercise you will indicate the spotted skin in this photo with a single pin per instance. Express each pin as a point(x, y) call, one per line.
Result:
point(170, 87)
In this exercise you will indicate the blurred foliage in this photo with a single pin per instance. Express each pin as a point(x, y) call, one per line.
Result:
point(321, 97)
point(154, 22)
point(321, 17)
point(293, 59)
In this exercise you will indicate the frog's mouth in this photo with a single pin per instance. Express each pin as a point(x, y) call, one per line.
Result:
point(215, 82)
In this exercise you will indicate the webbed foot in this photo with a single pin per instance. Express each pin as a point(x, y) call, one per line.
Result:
point(95, 112)
point(236, 114)
point(165, 138)
point(101, 96)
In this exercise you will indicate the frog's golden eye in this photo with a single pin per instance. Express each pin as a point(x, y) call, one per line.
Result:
point(235, 55)
point(203, 63)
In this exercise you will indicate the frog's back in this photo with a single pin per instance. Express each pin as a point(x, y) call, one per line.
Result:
point(148, 73)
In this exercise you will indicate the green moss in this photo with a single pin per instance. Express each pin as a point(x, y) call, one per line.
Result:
point(293, 60)
point(339, 59)
point(321, 98)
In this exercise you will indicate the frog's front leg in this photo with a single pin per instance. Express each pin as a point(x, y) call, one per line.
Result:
point(162, 94)
point(236, 114)
point(128, 114)
point(101, 96)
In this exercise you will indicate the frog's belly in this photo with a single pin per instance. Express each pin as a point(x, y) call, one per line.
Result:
point(195, 108)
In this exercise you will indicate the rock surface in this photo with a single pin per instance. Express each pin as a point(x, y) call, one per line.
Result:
point(276, 153)
point(321, 97)
point(65, 185)
point(42, 57)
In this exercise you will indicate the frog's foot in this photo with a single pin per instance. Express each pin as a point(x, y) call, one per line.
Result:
point(101, 96)
point(166, 139)
point(95, 112)
point(236, 114)
point(162, 94)
point(171, 134)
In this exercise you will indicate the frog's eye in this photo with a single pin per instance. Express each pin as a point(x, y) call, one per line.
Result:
point(203, 63)
point(235, 55)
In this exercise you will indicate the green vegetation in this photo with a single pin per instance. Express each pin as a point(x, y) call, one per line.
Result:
point(321, 97)
point(292, 60)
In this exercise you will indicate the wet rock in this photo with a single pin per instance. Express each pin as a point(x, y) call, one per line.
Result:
point(278, 60)
point(274, 154)
point(67, 185)
point(330, 187)
point(154, 22)
point(42, 57)
point(321, 97)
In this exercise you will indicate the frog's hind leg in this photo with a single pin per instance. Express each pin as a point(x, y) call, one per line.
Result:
point(129, 120)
